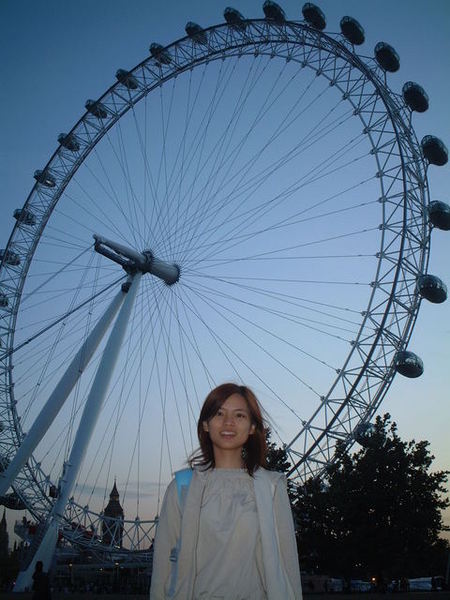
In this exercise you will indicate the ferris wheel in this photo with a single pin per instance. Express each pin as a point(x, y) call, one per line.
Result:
point(248, 203)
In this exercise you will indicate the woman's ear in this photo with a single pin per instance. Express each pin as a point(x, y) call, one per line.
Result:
point(205, 426)
point(252, 429)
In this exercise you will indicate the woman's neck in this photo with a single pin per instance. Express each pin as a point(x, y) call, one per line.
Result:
point(228, 460)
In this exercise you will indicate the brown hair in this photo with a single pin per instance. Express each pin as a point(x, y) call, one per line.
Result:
point(254, 454)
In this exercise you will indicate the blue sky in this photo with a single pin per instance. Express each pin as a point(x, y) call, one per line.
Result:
point(56, 55)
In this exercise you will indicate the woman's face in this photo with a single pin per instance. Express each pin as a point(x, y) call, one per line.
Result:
point(230, 427)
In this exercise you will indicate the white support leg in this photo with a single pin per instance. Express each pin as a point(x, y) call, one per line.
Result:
point(86, 427)
point(59, 395)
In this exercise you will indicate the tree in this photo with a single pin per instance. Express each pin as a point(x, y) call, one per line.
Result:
point(376, 513)
point(276, 457)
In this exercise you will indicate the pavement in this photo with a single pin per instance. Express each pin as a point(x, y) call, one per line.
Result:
point(335, 596)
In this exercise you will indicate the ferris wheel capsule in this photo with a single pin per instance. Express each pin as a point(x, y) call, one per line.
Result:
point(408, 364)
point(415, 96)
point(25, 216)
point(352, 30)
point(363, 434)
point(196, 33)
point(439, 214)
point(127, 79)
point(159, 53)
point(44, 178)
point(234, 18)
point(96, 108)
point(9, 257)
point(432, 288)
point(434, 150)
point(314, 16)
point(274, 12)
point(387, 57)
point(69, 141)
point(12, 501)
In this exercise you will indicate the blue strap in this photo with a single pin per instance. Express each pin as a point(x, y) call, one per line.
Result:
point(183, 480)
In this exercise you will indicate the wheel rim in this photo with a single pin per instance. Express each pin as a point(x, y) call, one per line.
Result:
point(353, 393)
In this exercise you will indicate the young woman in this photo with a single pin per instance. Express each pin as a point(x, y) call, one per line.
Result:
point(228, 533)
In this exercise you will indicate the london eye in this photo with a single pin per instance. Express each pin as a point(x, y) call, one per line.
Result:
point(248, 203)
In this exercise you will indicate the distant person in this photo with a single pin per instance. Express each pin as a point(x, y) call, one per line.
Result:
point(41, 583)
point(227, 532)
point(404, 584)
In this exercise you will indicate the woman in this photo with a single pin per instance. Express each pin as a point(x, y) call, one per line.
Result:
point(228, 534)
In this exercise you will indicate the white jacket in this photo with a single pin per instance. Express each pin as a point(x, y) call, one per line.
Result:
point(279, 550)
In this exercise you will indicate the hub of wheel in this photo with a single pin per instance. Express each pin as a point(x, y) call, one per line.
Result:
point(133, 260)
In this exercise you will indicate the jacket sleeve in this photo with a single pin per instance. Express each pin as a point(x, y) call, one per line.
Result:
point(286, 536)
point(167, 534)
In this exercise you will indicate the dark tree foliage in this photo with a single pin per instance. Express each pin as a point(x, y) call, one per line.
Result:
point(377, 513)
point(276, 457)
point(277, 460)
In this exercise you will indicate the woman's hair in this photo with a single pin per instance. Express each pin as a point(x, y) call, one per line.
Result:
point(254, 451)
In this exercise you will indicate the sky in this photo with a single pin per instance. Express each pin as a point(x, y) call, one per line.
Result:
point(56, 55)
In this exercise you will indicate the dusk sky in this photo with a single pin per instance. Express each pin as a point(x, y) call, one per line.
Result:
point(56, 55)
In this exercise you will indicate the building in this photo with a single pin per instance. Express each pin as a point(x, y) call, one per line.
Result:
point(4, 538)
point(112, 523)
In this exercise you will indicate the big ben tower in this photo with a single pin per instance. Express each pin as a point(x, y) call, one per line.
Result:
point(112, 525)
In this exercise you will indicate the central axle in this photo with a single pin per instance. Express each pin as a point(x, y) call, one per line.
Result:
point(133, 261)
